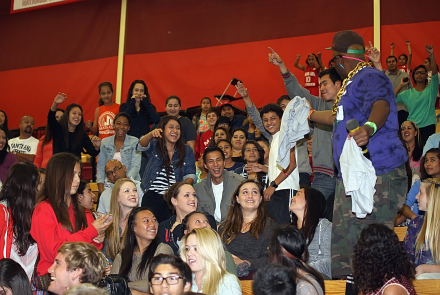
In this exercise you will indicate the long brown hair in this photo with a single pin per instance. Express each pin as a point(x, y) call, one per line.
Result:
point(48, 133)
point(57, 187)
point(79, 129)
point(233, 223)
point(161, 146)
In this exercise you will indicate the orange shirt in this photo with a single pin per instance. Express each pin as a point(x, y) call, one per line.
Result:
point(106, 116)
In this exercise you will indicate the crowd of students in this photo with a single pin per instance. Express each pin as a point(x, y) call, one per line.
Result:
point(236, 210)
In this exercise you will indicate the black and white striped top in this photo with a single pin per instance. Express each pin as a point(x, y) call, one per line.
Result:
point(162, 182)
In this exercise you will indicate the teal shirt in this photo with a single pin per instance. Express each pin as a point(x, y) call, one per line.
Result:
point(421, 105)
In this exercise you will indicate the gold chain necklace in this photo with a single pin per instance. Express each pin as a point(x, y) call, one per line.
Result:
point(350, 75)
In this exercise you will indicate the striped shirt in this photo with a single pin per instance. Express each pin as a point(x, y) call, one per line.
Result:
point(162, 182)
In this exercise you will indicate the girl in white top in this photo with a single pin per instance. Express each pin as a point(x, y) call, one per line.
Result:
point(203, 250)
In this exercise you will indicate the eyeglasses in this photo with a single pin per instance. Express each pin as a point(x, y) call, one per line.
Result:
point(171, 280)
point(420, 73)
point(111, 172)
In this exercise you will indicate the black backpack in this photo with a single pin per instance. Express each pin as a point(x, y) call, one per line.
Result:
point(115, 284)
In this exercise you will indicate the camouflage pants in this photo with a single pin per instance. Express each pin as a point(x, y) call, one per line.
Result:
point(390, 195)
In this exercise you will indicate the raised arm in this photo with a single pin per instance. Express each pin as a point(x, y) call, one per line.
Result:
point(408, 62)
point(430, 50)
point(374, 56)
point(392, 49)
point(293, 88)
point(295, 64)
point(146, 139)
point(252, 110)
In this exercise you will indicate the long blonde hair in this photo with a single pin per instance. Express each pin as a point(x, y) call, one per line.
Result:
point(429, 233)
point(210, 248)
point(112, 234)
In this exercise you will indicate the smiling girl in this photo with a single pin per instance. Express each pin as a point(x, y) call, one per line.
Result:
point(203, 250)
point(226, 147)
point(105, 113)
point(140, 245)
point(121, 147)
point(124, 198)
point(68, 133)
point(411, 137)
point(169, 161)
point(247, 226)
point(421, 241)
point(181, 199)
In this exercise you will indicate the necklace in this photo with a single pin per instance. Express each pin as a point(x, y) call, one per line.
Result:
point(350, 75)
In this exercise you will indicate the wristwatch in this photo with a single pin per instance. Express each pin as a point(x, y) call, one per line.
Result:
point(273, 184)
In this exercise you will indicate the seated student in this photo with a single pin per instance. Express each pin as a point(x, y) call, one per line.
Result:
point(124, 199)
point(410, 136)
point(119, 146)
point(171, 269)
point(215, 191)
point(421, 240)
point(247, 226)
point(115, 171)
point(181, 199)
point(75, 263)
point(219, 133)
point(203, 250)
point(234, 120)
point(273, 279)
point(205, 138)
point(141, 244)
point(430, 169)
point(200, 120)
point(224, 122)
point(283, 182)
point(13, 279)
point(226, 147)
point(253, 154)
point(25, 146)
point(86, 197)
point(288, 247)
point(264, 143)
point(173, 105)
point(201, 220)
point(381, 265)
point(308, 208)
point(238, 138)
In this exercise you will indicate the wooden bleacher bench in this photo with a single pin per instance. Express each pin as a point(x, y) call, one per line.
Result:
point(423, 287)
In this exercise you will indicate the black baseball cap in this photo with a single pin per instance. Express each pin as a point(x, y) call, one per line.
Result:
point(344, 39)
point(226, 105)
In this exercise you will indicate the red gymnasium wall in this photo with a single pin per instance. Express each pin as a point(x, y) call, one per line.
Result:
point(187, 48)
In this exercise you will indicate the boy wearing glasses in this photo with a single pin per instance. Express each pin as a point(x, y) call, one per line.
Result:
point(169, 275)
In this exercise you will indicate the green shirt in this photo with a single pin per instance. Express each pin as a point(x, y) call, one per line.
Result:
point(421, 105)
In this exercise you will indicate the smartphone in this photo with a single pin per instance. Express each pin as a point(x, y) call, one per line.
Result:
point(110, 217)
point(235, 81)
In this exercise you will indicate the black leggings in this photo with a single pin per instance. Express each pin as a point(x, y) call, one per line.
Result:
point(426, 132)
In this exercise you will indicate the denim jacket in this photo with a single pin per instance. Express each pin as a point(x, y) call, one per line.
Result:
point(154, 165)
point(129, 156)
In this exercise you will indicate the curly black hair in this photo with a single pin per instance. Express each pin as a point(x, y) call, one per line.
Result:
point(378, 255)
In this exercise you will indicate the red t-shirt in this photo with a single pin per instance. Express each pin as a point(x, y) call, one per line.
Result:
point(311, 80)
point(203, 142)
point(404, 68)
point(106, 116)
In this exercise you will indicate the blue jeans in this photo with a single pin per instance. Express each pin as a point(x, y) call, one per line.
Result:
point(324, 183)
